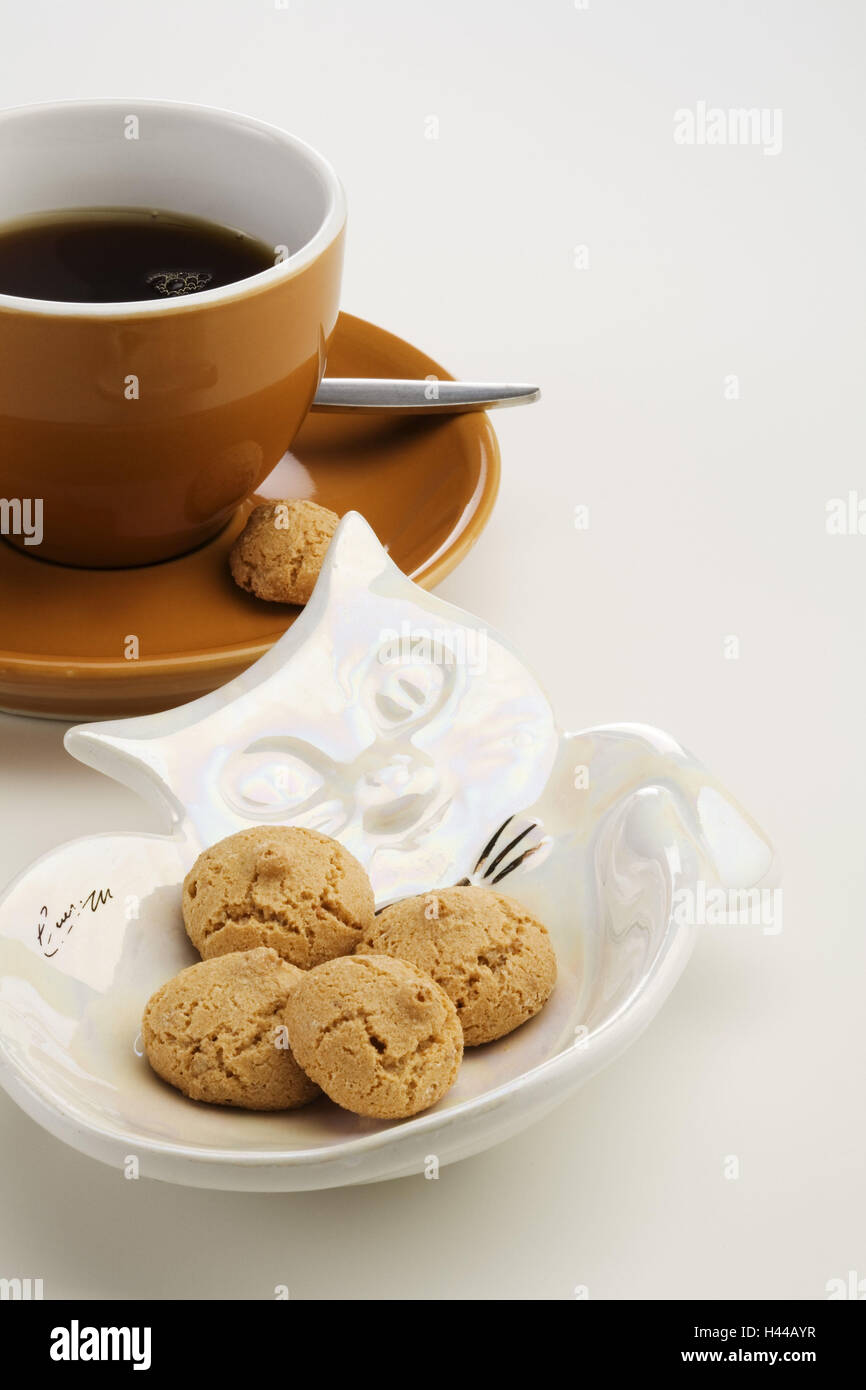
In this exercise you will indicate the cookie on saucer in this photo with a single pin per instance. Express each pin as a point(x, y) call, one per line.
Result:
point(279, 553)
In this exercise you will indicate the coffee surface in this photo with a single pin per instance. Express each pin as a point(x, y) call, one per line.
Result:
point(119, 255)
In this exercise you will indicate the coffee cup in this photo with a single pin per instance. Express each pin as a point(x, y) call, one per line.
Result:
point(136, 429)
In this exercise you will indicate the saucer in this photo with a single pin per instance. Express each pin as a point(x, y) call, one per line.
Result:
point(426, 486)
point(416, 736)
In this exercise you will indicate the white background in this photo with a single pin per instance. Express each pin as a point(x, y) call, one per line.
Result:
point(707, 519)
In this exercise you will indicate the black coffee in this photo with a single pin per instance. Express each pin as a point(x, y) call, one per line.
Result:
point(114, 255)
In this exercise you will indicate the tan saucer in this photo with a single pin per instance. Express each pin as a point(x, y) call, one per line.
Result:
point(427, 488)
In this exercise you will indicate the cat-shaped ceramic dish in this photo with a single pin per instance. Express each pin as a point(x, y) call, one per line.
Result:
point(409, 731)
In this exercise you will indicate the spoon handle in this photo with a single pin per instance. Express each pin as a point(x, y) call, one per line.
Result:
point(416, 397)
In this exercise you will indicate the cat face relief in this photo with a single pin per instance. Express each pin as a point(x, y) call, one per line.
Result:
point(384, 718)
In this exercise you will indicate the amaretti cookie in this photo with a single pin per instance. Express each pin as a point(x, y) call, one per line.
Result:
point(281, 886)
point(279, 553)
point(379, 1036)
point(494, 960)
point(217, 1032)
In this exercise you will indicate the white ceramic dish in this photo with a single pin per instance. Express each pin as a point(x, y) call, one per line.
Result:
point(406, 729)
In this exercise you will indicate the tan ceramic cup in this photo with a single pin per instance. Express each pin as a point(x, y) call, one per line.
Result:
point(140, 427)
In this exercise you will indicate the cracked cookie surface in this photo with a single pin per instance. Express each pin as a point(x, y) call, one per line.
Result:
point(494, 960)
point(279, 553)
point(377, 1034)
point(281, 886)
point(217, 1032)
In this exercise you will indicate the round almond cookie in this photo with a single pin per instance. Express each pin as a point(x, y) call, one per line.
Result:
point(494, 960)
point(217, 1032)
point(279, 553)
point(277, 885)
point(378, 1035)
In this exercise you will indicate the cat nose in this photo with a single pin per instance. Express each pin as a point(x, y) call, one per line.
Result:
point(388, 775)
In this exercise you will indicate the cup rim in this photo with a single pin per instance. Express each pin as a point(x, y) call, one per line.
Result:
point(327, 233)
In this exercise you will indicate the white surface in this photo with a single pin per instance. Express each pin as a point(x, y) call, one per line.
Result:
point(707, 520)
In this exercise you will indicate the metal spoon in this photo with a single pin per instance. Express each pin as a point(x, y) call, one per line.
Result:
point(416, 397)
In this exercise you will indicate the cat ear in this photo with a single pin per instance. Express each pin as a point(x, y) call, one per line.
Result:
point(156, 754)
point(357, 559)
point(140, 763)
